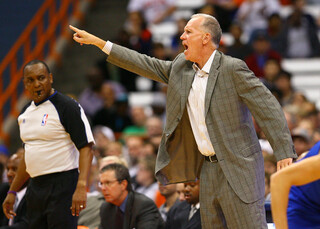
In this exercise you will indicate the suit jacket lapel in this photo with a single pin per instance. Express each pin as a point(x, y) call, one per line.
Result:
point(187, 80)
point(213, 75)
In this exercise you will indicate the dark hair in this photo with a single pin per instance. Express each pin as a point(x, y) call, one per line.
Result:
point(121, 172)
point(33, 62)
point(284, 74)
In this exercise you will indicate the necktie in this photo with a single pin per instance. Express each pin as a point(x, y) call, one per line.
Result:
point(119, 218)
point(192, 211)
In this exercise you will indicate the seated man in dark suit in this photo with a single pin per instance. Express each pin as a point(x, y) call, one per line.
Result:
point(186, 214)
point(20, 220)
point(125, 208)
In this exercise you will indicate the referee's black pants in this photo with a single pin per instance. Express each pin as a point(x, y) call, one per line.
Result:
point(49, 198)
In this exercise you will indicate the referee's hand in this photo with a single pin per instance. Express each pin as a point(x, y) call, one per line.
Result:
point(79, 200)
point(7, 206)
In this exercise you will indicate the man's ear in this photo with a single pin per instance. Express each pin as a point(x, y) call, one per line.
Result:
point(206, 38)
point(124, 184)
point(51, 78)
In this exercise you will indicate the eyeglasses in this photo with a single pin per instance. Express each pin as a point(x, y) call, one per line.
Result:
point(107, 183)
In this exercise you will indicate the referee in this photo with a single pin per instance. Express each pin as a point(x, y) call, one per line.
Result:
point(57, 141)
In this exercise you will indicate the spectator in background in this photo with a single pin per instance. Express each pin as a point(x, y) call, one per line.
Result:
point(103, 136)
point(20, 221)
point(149, 149)
point(134, 145)
point(114, 149)
point(145, 178)
point(106, 114)
point(154, 126)
point(139, 118)
point(261, 53)
point(271, 70)
point(125, 208)
point(291, 119)
point(154, 11)
point(186, 214)
point(224, 12)
point(238, 49)
point(283, 83)
point(176, 44)
point(122, 114)
point(295, 193)
point(180, 190)
point(275, 31)
point(253, 14)
point(301, 140)
point(300, 38)
point(172, 198)
point(158, 105)
point(91, 99)
point(270, 164)
point(140, 36)
point(267, 195)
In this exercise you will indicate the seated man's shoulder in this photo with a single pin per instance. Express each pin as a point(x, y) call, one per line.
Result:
point(178, 207)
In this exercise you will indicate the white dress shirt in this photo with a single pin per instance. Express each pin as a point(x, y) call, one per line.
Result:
point(195, 107)
point(193, 210)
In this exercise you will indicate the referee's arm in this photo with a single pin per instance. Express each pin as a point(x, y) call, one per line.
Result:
point(79, 198)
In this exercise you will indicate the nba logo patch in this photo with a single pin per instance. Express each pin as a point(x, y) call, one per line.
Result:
point(44, 120)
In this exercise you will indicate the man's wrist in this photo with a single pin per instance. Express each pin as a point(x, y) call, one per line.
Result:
point(82, 183)
point(12, 192)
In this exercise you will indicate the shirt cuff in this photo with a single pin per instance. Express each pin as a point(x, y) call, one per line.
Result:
point(107, 47)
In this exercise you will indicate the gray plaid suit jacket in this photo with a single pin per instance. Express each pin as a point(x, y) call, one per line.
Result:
point(233, 93)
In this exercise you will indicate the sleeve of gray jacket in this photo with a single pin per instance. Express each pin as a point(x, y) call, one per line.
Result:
point(265, 109)
point(143, 65)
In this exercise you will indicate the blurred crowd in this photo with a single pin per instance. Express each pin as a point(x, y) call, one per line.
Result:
point(131, 133)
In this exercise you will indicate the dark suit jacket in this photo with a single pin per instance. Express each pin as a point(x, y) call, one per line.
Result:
point(178, 217)
point(20, 220)
point(4, 188)
point(232, 95)
point(141, 213)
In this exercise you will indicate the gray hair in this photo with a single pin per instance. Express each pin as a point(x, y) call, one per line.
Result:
point(212, 26)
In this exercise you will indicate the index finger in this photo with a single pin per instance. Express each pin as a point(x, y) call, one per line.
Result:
point(74, 28)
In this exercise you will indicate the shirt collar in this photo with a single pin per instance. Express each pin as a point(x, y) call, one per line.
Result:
point(207, 66)
point(123, 205)
point(21, 193)
point(197, 205)
point(37, 104)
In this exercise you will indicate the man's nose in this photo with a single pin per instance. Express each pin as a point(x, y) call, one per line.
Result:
point(36, 83)
point(10, 173)
point(182, 37)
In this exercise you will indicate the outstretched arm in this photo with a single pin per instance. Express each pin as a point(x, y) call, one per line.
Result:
point(300, 173)
point(83, 37)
